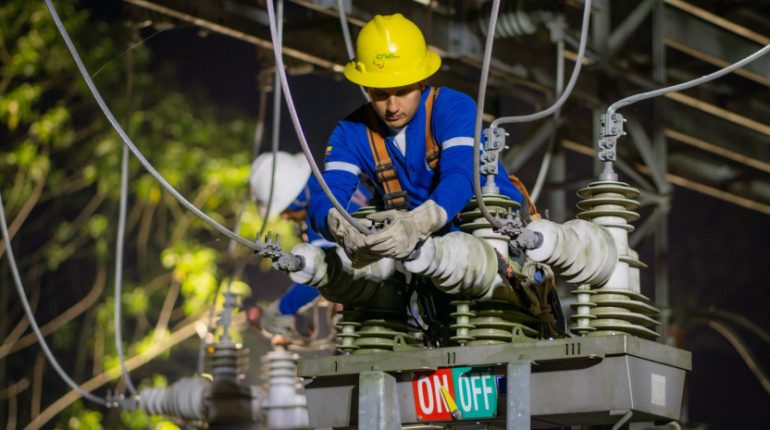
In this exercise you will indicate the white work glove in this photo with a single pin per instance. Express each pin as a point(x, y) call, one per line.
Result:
point(352, 241)
point(405, 229)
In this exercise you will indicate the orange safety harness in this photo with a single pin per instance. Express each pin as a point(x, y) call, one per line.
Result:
point(394, 196)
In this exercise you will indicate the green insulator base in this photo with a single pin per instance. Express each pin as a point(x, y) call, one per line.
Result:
point(462, 325)
point(471, 218)
point(379, 335)
point(346, 336)
point(493, 326)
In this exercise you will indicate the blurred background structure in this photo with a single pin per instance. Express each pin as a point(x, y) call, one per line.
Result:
point(190, 82)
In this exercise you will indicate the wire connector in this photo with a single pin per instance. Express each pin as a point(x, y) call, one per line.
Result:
point(611, 130)
point(283, 261)
point(494, 145)
point(512, 225)
point(121, 401)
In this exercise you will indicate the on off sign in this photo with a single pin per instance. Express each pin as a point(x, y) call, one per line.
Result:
point(474, 391)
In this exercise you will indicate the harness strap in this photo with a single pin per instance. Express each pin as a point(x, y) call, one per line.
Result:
point(532, 208)
point(431, 147)
point(395, 196)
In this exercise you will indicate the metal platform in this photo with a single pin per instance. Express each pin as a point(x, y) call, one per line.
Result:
point(592, 380)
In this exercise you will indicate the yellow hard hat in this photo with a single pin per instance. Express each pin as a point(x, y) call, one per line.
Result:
point(391, 52)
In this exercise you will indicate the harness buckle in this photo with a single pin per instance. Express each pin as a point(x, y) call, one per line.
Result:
point(395, 200)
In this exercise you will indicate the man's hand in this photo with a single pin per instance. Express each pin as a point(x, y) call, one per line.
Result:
point(350, 239)
point(404, 229)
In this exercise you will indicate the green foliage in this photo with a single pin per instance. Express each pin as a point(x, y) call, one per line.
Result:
point(52, 134)
point(80, 418)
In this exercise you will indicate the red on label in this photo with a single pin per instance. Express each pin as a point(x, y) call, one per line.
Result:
point(428, 401)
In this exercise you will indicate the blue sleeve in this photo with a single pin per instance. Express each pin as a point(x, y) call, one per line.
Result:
point(295, 298)
point(453, 126)
point(340, 175)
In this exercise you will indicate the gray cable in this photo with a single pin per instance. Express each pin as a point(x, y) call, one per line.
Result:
point(522, 118)
point(276, 123)
point(480, 113)
point(348, 39)
point(570, 85)
point(608, 170)
point(627, 416)
point(127, 140)
point(31, 316)
point(119, 271)
point(298, 126)
point(685, 85)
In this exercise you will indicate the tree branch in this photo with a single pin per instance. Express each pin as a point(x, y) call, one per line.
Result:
point(10, 346)
point(25, 210)
point(165, 313)
point(134, 362)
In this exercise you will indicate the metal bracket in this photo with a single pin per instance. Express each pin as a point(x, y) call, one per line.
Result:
point(121, 401)
point(283, 261)
point(494, 145)
point(611, 130)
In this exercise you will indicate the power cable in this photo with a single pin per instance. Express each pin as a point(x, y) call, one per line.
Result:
point(480, 112)
point(257, 246)
point(119, 271)
point(276, 132)
point(120, 242)
point(31, 315)
point(519, 118)
point(348, 39)
point(679, 87)
point(298, 127)
point(740, 346)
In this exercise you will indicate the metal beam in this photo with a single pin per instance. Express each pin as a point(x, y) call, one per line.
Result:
point(681, 29)
point(629, 25)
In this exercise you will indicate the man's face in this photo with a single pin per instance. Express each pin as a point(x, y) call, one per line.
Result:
point(396, 106)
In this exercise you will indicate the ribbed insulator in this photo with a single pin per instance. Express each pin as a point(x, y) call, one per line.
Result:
point(227, 361)
point(472, 221)
point(512, 21)
point(184, 399)
point(495, 323)
point(619, 306)
point(462, 324)
point(346, 336)
point(582, 317)
point(578, 250)
point(379, 335)
point(457, 263)
point(286, 406)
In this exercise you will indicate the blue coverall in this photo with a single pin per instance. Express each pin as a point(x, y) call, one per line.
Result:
point(348, 154)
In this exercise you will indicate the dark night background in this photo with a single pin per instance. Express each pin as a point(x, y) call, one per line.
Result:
point(719, 256)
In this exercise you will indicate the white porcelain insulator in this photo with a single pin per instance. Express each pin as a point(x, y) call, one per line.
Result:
point(582, 252)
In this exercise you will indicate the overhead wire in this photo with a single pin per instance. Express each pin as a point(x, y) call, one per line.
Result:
point(276, 132)
point(31, 316)
point(298, 127)
point(254, 245)
point(119, 245)
point(348, 40)
point(680, 87)
point(740, 346)
point(519, 118)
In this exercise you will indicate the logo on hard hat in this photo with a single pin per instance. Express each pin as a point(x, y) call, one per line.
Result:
point(379, 59)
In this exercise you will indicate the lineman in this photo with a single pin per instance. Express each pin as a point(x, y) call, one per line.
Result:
point(414, 141)
point(290, 199)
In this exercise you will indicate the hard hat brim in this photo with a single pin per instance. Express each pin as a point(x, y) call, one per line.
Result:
point(391, 80)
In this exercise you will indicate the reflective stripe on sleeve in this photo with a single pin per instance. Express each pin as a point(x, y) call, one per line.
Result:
point(347, 167)
point(457, 141)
